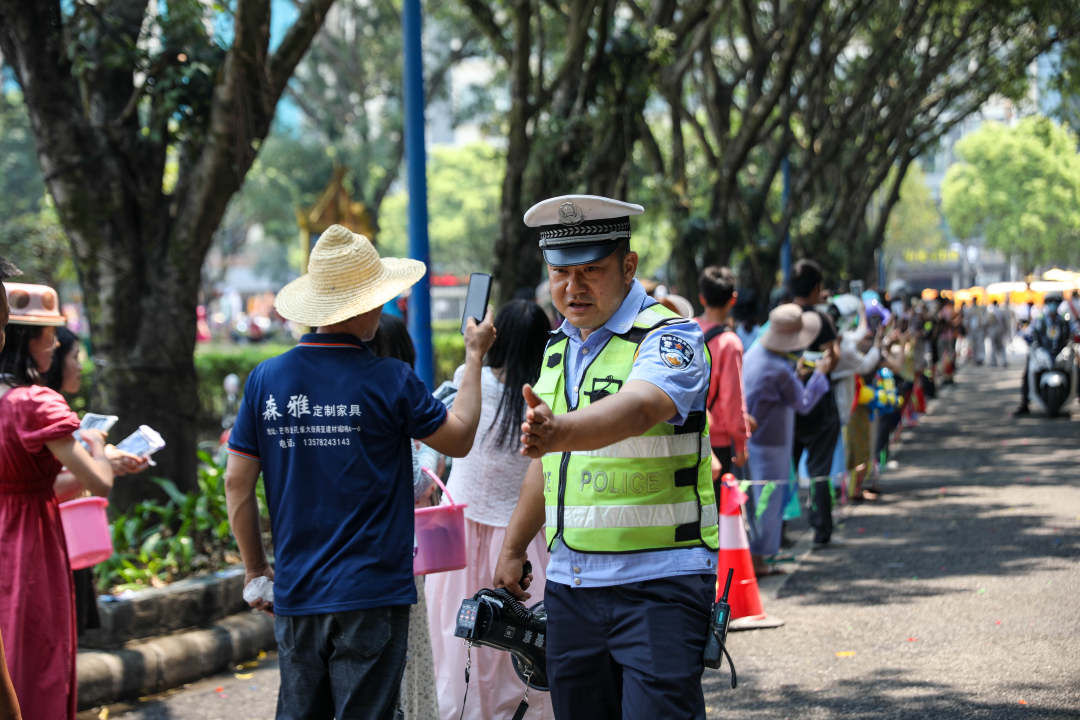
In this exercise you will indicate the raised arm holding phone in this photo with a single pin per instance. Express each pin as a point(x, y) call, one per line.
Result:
point(330, 425)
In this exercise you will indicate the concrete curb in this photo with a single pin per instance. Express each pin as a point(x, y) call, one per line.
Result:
point(150, 666)
point(195, 602)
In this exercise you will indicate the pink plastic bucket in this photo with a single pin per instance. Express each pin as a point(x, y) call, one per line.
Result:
point(440, 535)
point(86, 528)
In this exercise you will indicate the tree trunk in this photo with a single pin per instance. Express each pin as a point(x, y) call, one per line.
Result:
point(139, 251)
point(144, 343)
point(514, 266)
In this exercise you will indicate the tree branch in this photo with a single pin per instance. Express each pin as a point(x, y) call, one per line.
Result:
point(33, 45)
point(484, 18)
point(249, 86)
point(294, 45)
point(578, 36)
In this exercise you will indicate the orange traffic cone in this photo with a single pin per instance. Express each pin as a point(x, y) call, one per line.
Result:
point(744, 598)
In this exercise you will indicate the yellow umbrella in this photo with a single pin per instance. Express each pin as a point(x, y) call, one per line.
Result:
point(1045, 286)
point(1064, 276)
point(1023, 297)
point(1001, 290)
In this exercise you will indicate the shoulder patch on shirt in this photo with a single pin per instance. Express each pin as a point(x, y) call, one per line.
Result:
point(676, 352)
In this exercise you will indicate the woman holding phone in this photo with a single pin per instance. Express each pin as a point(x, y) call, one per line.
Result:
point(37, 612)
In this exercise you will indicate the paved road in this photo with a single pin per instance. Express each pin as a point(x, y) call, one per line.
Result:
point(955, 596)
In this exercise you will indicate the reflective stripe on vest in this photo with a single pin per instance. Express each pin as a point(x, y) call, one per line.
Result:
point(648, 446)
point(632, 516)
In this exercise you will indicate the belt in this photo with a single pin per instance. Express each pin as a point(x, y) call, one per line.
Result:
point(45, 492)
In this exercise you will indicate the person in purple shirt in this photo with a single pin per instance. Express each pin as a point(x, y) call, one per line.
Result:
point(774, 393)
point(330, 426)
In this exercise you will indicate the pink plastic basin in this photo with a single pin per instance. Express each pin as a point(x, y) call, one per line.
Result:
point(86, 529)
point(440, 535)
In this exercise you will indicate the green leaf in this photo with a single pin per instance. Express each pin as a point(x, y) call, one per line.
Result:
point(171, 490)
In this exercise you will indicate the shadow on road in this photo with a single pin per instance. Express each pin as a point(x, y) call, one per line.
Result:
point(874, 697)
point(944, 545)
point(928, 525)
point(978, 523)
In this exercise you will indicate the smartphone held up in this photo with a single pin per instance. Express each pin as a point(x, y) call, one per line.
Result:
point(476, 299)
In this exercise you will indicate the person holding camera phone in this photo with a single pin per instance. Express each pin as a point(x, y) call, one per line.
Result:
point(487, 481)
point(621, 477)
point(330, 425)
point(37, 608)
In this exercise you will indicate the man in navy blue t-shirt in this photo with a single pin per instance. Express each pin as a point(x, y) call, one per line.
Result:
point(329, 425)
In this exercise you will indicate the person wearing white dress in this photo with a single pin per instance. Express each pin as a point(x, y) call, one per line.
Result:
point(487, 480)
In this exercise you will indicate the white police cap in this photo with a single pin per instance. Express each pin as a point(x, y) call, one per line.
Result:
point(579, 229)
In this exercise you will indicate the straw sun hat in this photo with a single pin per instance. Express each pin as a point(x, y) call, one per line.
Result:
point(345, 278)
point(33, 305)
point(790, 329)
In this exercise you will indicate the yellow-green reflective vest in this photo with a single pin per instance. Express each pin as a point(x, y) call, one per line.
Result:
point(650, 492)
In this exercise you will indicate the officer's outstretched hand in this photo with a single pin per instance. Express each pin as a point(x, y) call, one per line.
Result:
point(538, 430)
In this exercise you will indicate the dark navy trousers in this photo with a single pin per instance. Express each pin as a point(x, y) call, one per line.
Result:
point(628, 652)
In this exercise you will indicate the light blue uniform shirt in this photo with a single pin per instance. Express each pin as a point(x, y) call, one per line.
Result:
point(687, 386)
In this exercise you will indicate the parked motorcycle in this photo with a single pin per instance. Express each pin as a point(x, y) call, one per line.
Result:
point(1052, 381)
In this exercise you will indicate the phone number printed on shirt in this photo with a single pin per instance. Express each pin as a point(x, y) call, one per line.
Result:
point(300, 405)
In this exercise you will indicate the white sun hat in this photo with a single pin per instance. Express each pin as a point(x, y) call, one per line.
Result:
point(345, 278)
point(33, 305)
point(678, 304)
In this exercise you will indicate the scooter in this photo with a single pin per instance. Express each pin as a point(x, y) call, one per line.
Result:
point(1052, 381)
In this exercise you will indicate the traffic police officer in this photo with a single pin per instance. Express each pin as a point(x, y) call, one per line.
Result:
point(621, 478)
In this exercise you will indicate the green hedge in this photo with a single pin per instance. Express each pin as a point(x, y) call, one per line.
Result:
point(449, 348)
point(212, 363)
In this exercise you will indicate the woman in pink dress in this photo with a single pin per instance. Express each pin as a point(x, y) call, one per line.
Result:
point(9, 704)
point(37, 611)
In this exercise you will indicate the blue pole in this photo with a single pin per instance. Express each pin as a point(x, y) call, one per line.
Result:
point(785, 247)
point(416, 160)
